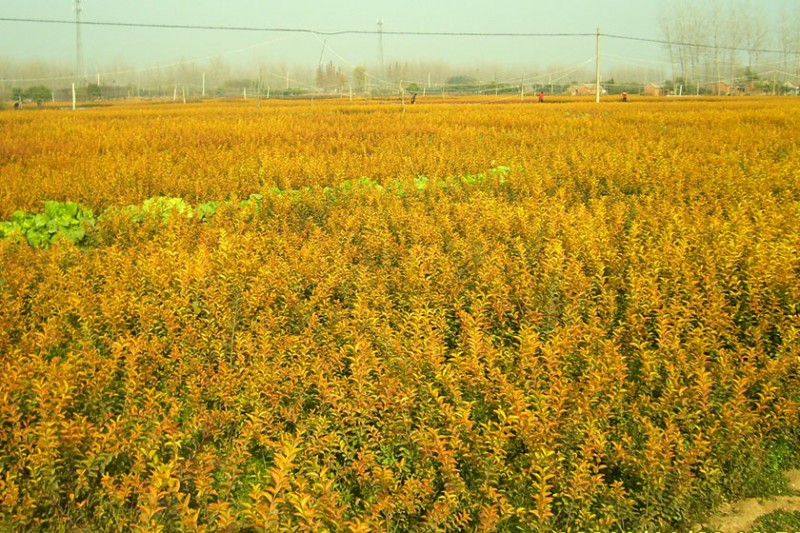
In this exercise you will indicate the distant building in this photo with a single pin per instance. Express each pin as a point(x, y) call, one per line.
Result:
point(584, 89)
point(651, 89)
point(752, 88)
point(739, 89)
point(721, 88)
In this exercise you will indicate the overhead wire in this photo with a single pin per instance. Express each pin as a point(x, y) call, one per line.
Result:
point(699, 45)
point(395, 32)
point(319, 34)
point(288, 30)
point(156, 67)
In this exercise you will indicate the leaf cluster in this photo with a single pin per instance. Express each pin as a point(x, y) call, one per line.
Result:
point(66, 220)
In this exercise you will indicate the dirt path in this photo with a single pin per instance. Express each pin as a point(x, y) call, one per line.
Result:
point(740, 516)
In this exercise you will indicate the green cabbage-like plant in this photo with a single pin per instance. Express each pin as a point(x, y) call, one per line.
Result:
point(164, 206)
point(58, 220)
point(206, 210)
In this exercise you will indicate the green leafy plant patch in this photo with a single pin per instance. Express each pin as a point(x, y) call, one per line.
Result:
point(59, 219)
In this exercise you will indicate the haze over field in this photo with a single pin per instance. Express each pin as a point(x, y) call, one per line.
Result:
point(143, 43)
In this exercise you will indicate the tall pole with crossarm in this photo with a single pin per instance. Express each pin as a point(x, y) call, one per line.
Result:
point(76, 6)
point(380, 50)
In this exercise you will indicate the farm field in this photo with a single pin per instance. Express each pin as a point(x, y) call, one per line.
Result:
point(339, 316)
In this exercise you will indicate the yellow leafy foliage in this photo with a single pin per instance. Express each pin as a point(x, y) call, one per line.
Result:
point(460, 318)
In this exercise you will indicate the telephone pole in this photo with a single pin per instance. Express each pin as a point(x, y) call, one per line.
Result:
point(76, 6)
point(597, 70)
point(380, 49)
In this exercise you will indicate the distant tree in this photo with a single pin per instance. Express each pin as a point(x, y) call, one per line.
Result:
point(94, 91)
point(319, 80)
point(749, 75)
point(755, 32)
point(334, 77)
point(330, 77)
point(461, 80)
point(712, 41)
point(788, 39)
point(684, 22)
point(341, 80)
point(360, 78)
point(38, 94)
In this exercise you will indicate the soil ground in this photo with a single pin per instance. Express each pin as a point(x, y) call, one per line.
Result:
point(740, 515)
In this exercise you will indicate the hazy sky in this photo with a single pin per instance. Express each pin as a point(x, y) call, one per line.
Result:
point(106, 46)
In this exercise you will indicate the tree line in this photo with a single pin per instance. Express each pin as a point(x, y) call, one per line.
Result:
point(731, 41)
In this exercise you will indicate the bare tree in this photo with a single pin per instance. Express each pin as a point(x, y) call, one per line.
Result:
point(789, 41)
point(756, 32)
point(667, 24)
point(684, 25)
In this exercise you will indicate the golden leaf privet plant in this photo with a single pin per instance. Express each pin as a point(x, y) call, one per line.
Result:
point(476, 318)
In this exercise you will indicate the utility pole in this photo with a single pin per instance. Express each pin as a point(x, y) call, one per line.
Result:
point(597, 70)
point(76, 6)
point(380, 48)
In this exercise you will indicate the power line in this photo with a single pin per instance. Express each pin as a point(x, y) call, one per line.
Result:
point(698, 45)
point(152, 68)
point(381, 32)
point(325, 34)
point(293, 30)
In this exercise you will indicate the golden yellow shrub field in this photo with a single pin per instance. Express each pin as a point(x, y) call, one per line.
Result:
point(466, 316)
